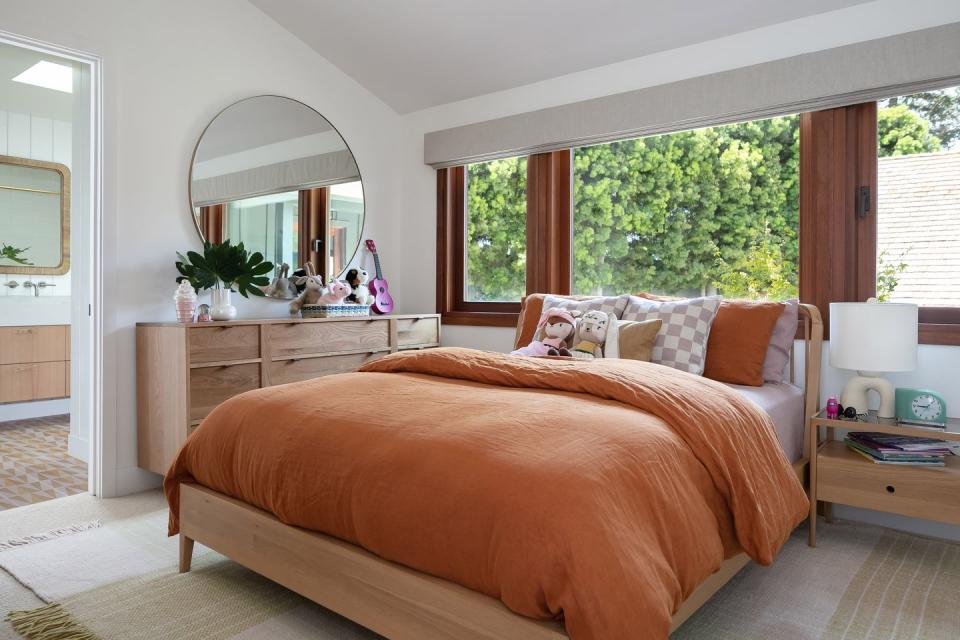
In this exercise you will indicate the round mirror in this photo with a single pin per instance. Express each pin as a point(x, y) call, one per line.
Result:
point(274, 174)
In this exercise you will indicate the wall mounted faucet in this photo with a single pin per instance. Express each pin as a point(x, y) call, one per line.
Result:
point(36, 286)
point(11, 284)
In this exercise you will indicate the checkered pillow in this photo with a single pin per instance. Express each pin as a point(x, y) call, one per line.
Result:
point(682, 341)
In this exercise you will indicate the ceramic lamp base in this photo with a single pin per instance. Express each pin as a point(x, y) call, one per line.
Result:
point(855, 394)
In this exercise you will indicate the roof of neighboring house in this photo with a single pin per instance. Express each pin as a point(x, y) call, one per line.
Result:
point(918, 203)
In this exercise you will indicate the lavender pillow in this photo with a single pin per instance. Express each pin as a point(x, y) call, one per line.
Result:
point(781, 339)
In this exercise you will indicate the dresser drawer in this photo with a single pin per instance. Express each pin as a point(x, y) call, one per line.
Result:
point(209, 386)
point(418, 332)
point(218, 344)
point(34, 344)
point(36, 381)
point(848, 478)
point(295, 370)
point(305, 338)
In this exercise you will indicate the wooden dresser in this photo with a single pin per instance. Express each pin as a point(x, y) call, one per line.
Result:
point(34, 363)
point(185, 370)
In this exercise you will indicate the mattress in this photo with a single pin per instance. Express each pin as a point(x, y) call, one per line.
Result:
point(784, 403)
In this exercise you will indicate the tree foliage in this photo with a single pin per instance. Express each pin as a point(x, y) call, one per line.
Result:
point(902, 132)
point(694, 212)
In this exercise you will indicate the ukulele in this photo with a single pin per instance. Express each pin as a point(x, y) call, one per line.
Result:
point(382, 302)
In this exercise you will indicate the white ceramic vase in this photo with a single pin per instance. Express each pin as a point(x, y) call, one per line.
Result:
point(221, 309)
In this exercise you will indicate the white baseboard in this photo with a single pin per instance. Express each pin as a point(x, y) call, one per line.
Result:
point(78, 448)
point(36, 409)
point(134, 480)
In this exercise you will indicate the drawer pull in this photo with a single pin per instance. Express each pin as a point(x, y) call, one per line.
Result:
point(891, 489)
point(23, 331)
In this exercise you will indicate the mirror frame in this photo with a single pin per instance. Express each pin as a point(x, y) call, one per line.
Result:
point(64, 172)
point(193, 159)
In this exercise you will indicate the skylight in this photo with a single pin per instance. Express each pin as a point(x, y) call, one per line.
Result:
point(48, 75)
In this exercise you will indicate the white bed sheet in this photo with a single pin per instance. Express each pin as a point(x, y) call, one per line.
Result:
point(784, 403)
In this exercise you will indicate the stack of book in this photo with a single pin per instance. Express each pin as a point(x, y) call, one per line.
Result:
point(884, 448)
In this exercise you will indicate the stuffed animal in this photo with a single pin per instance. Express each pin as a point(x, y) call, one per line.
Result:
point(336, 292)
point(282, 287)
point(358, 279)
point(558, 327)
point(313, 289)
point(592, 334)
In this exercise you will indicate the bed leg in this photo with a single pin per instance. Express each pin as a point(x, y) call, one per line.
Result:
point(186, 553)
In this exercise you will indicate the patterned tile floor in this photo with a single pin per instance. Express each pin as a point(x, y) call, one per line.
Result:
point(34, 464)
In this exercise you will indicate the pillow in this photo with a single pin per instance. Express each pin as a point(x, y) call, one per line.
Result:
point(535, 303)
point(634, 340)
point(682, 341)
point(781, 339)
point(739, 339)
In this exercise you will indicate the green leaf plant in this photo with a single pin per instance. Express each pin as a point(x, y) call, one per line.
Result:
point(225, 265)
point(14, 254)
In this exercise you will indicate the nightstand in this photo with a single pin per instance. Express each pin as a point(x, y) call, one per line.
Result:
point(839, 475)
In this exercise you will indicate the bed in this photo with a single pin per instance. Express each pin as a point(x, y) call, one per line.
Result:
point(238, 501)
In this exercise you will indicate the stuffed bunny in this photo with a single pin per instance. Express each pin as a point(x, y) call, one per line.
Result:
point(313, 291)
point(558, 327)
point(282, 287)
point(336, 292)
point(592, 334)
point(358, 280)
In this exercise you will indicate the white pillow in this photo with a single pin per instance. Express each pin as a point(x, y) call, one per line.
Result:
point(682, 340)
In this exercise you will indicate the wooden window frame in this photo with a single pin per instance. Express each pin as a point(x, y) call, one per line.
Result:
point(548, 229)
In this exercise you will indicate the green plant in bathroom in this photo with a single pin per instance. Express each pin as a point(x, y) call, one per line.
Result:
point(224, 265)
point(14, 254)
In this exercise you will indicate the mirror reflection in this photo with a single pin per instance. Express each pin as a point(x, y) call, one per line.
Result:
point(274, 174)
point(34, 216)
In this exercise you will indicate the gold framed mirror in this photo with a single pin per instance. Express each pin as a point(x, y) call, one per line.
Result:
point(34, 216)
point(273, 173)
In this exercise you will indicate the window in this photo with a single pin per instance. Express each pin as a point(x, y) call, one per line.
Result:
point(834, 205)
point(693, 213)
point(267, 224)
point(495, 260)
point(918, 200)
point(346, 223)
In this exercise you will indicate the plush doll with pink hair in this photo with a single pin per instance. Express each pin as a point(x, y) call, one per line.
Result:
point(558, 326)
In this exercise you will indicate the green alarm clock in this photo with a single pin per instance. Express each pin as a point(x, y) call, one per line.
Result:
point(921, 407)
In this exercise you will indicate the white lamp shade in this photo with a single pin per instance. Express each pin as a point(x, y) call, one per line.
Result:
point(873, 336)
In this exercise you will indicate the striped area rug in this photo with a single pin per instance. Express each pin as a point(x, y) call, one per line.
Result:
point(909, 587)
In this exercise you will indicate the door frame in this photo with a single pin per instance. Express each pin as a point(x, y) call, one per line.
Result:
point(87, 286)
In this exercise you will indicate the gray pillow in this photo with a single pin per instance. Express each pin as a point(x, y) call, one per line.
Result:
point(781, 339)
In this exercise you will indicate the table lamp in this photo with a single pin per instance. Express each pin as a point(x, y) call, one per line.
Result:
point(872, 338)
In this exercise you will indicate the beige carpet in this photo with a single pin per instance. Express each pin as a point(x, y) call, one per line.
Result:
point(860, 582)
point(34, 464)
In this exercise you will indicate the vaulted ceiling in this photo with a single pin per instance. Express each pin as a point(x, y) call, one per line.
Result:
point(415, 54)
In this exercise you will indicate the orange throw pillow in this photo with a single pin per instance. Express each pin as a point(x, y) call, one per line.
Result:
point(738, 341)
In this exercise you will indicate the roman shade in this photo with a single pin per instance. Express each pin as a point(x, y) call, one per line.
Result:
point(320, 170)
point(861, 72)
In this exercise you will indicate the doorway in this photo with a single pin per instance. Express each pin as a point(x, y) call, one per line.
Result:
point(49, 265)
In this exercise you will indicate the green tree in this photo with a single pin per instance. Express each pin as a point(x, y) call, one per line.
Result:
point(902, 132)
point(496, 230)
point(940, 108)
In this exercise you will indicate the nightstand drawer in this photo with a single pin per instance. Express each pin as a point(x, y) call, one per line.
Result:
point(848, 478)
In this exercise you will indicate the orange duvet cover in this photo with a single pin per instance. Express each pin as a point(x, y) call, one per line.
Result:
point(601, 491)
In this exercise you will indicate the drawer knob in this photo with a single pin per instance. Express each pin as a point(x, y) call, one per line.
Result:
point(891, 489)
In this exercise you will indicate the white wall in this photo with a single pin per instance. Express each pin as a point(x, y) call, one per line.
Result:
point(415, 290)
point(169, 67)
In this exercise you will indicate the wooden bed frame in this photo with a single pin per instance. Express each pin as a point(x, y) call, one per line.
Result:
point(393, 600)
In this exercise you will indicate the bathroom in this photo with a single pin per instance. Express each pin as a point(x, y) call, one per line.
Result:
point(44, 151)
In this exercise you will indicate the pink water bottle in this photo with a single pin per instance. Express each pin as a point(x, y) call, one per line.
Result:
point(833, 408)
